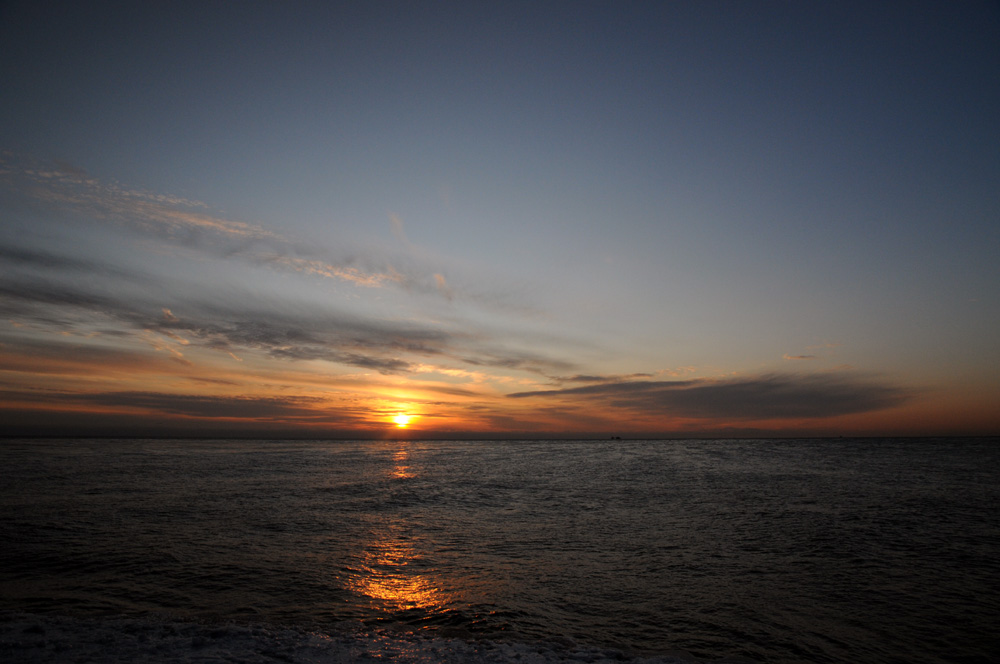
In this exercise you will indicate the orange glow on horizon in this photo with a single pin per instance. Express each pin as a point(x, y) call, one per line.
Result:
point(85, 385)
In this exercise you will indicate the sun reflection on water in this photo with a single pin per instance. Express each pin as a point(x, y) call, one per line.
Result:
point(400, 468)
point(389, 574)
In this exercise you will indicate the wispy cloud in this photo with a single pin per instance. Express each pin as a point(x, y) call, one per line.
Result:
point(762, 397)
point(163, 412)
point(46, 302)
point(69, 357)
point(586, 378)
point(518, 360)
point(326, 269)
point(786, 356)
point(341, 339)
point(159, 213)
point(823, 345)
point(397, 229)
point(33, 259)
point(242, 407)
point(189, 224)
point(185, 225)
point(443, 287)
point(279, 330)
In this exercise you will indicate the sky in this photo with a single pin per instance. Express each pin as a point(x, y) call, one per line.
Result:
point(539, 219)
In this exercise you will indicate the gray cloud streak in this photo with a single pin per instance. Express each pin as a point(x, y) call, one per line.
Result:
point(769, 396)
point(382, 346)
point(189, 224)
point(206, 406)
point(41, 260)
point(158, 413)
point(586, 378)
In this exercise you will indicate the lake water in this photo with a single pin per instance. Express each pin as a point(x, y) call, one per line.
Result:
point(829, 550)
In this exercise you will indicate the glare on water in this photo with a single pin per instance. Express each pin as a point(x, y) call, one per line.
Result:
point(778, 551)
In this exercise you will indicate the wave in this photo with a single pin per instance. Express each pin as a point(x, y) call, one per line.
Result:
point(31, 638)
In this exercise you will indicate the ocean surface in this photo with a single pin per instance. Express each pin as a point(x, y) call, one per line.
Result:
point(824, 550)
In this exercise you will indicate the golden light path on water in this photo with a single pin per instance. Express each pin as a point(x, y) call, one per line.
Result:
point(388, 571)
point(386, 575)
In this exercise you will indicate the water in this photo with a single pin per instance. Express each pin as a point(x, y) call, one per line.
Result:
point(863, 550)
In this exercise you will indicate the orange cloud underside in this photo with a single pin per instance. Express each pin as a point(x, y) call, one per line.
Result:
point(194, 387)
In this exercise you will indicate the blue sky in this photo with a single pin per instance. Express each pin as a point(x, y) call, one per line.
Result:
point(354, 210)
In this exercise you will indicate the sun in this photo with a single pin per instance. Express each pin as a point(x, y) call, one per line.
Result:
point(401, 420)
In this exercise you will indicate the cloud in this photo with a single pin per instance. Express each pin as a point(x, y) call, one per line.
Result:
point(48, 412)
point(327, 337)
point(763, 397)
point(397, 229)
point(586, 378)
point(168, 216)
point(70, 357)
point(43, 261)
point(325, 269)
point(188, 224)
point(449, 391)
point(344, 340)
point(36, 298)
point(278, 330)
point(798, 357)
point(519, 361)
point(212, 381)
point(241, 407)
point(443, 287)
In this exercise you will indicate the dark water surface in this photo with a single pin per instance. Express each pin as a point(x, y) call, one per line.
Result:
point(860, 550)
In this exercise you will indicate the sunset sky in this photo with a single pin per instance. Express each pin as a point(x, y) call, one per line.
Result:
point(499, 219)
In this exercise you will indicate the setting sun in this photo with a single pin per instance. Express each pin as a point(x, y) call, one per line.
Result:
point(401, 420)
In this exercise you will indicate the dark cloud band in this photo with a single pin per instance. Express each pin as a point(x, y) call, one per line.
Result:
point(762, 397)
